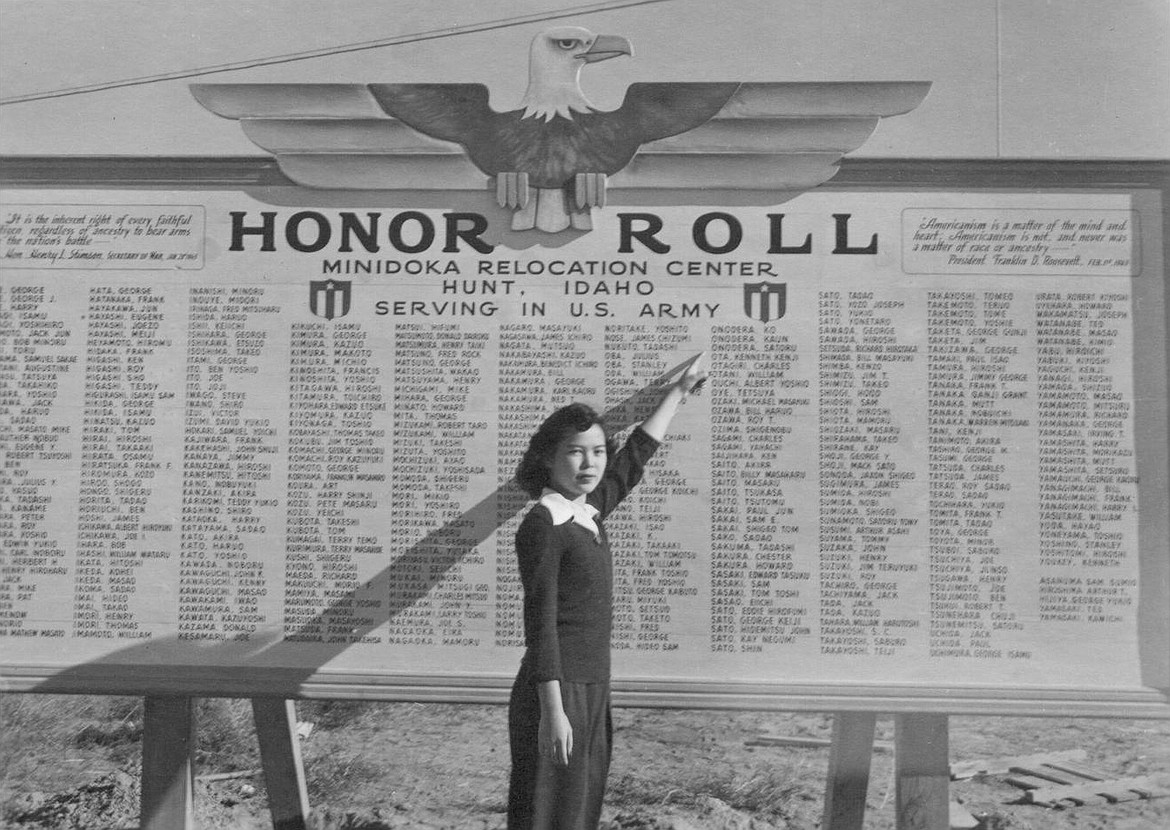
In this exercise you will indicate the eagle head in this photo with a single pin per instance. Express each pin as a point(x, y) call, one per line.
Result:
point(555, 59)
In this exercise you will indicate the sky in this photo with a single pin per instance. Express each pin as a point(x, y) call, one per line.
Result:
point(1026, 78)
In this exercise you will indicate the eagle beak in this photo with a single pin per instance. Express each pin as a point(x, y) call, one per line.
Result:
point(606, 47)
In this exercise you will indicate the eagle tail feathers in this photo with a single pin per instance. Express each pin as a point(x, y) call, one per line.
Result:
point(549, 209)
point(552, 209)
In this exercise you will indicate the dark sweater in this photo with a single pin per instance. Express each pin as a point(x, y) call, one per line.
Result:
point(567, 575)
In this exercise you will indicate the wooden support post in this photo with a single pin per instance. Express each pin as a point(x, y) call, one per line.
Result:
point(168, 764)
point(849, 761)
point(923, 772)
point(280, 755)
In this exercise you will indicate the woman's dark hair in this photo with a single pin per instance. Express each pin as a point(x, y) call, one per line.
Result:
point(532, 472)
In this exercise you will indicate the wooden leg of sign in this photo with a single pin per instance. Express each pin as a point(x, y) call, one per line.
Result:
point(168, 764)
point(280, 755)
point(922, 769)
point(849, 760)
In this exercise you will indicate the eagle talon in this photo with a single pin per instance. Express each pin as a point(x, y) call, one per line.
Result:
point(512, 190)
point(589, 190)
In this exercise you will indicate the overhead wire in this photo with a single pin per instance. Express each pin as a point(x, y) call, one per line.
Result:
point(417, 37)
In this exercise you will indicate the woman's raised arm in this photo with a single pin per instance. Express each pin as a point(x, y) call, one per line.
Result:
point(689, 382)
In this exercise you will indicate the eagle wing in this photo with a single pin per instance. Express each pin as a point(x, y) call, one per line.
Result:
point(495, 142)
point(777, 137)
point(652, 111)
point(450, 112)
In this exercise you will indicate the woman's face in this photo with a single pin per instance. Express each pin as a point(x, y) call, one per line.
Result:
point(578, 463)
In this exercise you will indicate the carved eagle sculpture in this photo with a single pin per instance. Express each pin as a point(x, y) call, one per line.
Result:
point(553, 158)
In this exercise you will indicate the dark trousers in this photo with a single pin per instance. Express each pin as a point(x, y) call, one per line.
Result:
point(542, 794)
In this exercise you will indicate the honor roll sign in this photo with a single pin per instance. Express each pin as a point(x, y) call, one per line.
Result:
point(256, 442)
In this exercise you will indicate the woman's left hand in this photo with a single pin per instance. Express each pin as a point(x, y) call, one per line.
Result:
point(692, 380)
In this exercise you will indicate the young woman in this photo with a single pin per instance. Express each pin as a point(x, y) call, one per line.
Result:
point(559, 718)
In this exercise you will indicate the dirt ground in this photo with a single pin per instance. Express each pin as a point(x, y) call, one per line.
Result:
point(431, 766)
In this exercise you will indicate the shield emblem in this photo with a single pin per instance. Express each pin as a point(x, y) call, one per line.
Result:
point(765, 301)
point(329, 298)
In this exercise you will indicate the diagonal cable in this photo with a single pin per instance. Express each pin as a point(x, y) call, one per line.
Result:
point(417, 37)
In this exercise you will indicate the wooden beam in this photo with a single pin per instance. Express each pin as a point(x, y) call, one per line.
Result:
point(848, 777)
point(168, 764)
point(280, 755)
point(794, 740)
point(922, 772)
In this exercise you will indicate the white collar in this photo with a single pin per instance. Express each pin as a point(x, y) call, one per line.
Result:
point(563, 510)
